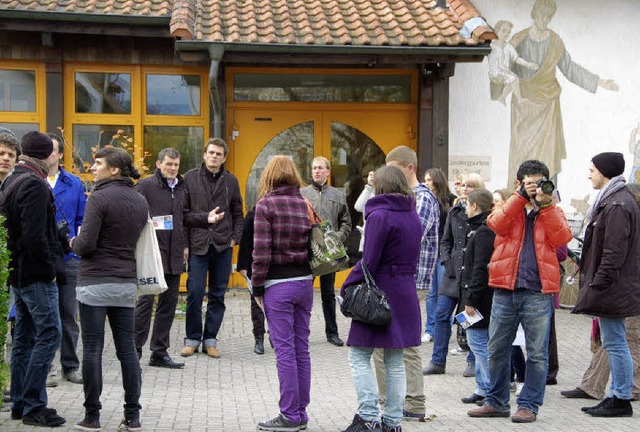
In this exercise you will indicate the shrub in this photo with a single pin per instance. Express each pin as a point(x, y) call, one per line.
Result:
point(4, 306)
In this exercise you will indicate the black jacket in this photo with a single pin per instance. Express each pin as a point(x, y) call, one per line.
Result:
point(113, 220)
point(206, 191)
point(31, 225)
point(453, 241)
point(474, 278)
point(163, 201)
point(245, 252)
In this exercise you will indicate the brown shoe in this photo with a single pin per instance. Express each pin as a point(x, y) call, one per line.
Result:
point(187, 351)
point(523, 415)
point(487, 411)
point(213, 352)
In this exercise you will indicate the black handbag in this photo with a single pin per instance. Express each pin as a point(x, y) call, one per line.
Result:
point(365, 302)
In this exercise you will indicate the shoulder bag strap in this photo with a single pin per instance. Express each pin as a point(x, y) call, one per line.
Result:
point(314, 217)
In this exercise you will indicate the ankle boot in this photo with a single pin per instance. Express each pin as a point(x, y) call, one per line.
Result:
point(259, 348)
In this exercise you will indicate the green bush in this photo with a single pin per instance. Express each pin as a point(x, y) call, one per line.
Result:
point(4, 307)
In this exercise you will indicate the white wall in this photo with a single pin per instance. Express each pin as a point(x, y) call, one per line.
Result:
point(601, 35)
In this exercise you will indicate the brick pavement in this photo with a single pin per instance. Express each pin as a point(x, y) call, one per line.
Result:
point(236, 391)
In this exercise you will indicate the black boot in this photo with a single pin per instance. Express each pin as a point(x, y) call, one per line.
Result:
point(613, 407)
point(259, 348)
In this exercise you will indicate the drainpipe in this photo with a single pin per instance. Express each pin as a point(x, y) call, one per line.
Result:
point(215, 54)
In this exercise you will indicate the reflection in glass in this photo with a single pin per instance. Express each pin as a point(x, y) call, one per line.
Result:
point(173, 94)
point(88, 137)
point(19, 129)
point(295, 142)
point(17, 90)
point(188, 140)
point(103, 93)
point(322, 88)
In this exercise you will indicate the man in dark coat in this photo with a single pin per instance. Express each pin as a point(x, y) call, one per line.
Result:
point(165, 194)
point(610, 275)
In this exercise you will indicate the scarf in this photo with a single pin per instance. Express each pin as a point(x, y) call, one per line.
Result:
point(614, 185)
point(37, 165)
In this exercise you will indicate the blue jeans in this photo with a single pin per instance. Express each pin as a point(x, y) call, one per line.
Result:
point(478, 340)
point(444, 311)
point(614, 340)
point(36, 338)
point(533, 310)
point(218, 265)
point(367, 390)
point(432, 299)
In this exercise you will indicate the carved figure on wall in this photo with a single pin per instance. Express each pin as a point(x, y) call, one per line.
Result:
point(634, 148)
point(536, 118)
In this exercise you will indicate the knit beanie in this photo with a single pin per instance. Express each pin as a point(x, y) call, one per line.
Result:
point(610, 164)
point(36, 145)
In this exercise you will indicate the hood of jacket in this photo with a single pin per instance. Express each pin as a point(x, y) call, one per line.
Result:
point(390, 202)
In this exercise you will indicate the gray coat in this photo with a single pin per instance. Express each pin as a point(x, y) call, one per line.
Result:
point(331, 205)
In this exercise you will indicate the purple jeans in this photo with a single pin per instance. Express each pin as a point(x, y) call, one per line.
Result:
point(288, 311)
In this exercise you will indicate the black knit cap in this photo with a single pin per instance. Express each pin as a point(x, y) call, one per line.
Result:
point(36, 145)
point(610, 164)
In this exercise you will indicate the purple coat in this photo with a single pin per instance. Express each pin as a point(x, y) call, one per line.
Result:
point(391, 252)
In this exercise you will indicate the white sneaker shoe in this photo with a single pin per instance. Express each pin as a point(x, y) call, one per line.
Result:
point(426, 337)
point(519, 387)
point(458, 351)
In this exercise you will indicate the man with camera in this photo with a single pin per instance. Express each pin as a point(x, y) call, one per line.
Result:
point(524, 269)
point(70, 201)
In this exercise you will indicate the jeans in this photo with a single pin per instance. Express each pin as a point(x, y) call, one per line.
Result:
point(92, 319)
point(414, 399)
point(478, 340)
point(69, 318)
point(328, 295)
point(162, 321)
point(366, 389)
point(533, 311)
point(444, 311)
point(288, 310)
point(614, 340)
point(432, 299)
point(218, 265)
point(36, 338)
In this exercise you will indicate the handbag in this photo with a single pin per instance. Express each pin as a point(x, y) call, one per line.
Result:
point(365, 302)
point(149, 271)
point(326, 252)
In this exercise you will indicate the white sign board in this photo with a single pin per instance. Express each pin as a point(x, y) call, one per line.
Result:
point(470, 164)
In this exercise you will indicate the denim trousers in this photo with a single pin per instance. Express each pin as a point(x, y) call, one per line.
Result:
point(69, 318)
point(92, 320)
point(328, 296)
point(614, 340)
point(288, 311)
point(162, 321)
point(366, 388)
point(36, 338)
point(432, 299)
point(532, 310)
point(444, 310)
point(478, 340)
point(218, 266)
point(414, 399)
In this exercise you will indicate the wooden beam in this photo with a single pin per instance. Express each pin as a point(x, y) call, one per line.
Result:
point(386, 61)
point(85, 28)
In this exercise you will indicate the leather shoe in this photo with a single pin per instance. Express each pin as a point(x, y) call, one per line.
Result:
point(259, 347)
point(487, 411)
point(335, 340)
point(474, 398)
point(591, 408)
point(613, 407)
point(188, 351)
point(433, 369)
point(523, 415)
point(552, 381)
point(576, 393)
point(165, 362)
point(213, 352)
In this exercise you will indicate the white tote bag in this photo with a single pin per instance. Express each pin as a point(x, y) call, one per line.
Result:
point(150, 273)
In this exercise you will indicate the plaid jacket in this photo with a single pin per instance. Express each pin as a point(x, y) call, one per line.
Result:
point(427, 208)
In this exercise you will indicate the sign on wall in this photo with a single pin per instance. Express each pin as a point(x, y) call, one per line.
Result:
point(470, 164)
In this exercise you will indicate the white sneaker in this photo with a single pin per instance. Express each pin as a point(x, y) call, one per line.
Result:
point(458, 351)
point(427, 338)
point(519, 387)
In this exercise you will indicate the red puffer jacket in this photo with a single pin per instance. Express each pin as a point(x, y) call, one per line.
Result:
point(550, 231)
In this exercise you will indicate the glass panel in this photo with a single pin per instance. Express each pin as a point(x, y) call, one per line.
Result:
point(322, 88)
point(189, 141)
point(103, 93)
point(173, 94)
point(17, 90)
point(87, 139)
point(19, 129)
point(295, 142)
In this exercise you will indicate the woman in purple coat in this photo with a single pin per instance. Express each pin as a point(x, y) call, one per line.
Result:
point(391, 252)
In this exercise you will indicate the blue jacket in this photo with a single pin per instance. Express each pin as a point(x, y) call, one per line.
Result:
point(70, 201)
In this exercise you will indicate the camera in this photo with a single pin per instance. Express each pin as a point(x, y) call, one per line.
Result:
point(63, 235)
point(546, 186)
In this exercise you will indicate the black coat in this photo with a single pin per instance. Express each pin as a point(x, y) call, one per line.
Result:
point(245, 252)
point(451, 250)
point(162, 202)
point(610, 265)
point(475, 269)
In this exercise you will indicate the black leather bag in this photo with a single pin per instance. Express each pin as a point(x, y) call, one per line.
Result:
point(365, 302)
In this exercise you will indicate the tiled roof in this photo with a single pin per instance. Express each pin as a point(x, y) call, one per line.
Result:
point(100, 7)
point(327, 22)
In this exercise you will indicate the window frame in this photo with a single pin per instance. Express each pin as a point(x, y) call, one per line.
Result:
point(39, 116)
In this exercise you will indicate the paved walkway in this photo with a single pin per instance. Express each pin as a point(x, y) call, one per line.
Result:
point(236, 391)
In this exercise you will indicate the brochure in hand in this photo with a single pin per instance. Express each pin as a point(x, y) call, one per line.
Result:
point(466, 320)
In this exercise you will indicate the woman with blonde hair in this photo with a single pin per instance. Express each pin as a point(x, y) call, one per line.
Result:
point(282, 283)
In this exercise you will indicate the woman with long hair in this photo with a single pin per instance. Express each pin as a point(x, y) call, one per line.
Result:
point(391, 253)
point(436, 181)
point(114, 218)
point(282, 283)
